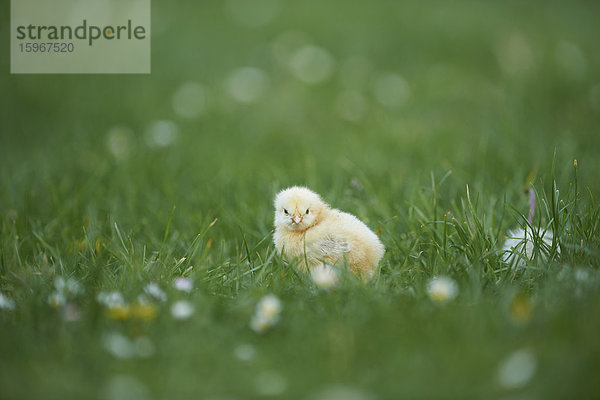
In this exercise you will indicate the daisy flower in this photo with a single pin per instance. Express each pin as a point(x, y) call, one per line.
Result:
point(182, 309)
point(442, 289)
point(324, 276)
point(6, 303)
point(183, 284)
point(267, 313)
point(155, 291)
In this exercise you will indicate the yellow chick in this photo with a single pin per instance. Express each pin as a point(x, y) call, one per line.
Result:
point(308, 230)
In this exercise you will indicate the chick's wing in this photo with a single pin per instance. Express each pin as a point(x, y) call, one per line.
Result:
point(332, 248)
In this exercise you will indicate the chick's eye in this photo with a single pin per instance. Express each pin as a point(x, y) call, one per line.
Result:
point(307, 210)
point(285, 211)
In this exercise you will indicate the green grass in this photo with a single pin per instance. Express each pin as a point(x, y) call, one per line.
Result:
point(442, 178)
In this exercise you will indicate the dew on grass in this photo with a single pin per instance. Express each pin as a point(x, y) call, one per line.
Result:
point(312, 64)
point(161, 133)
point(391, 90)
point(118, 141)
point(351, 105)
point(6, 303)
point(245, 352)
point(270, 383)
point(247, 84)
point(124, 387)
point(517, 369)
point(183, 284)
point(189, 101)
point(182, 309)
point(442, 289)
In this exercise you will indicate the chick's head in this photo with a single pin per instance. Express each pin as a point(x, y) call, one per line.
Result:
point(298, 208)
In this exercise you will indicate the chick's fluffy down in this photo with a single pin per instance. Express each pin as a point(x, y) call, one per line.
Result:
point(306, 224)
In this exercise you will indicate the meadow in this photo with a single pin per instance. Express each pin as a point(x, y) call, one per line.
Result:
point(428, 121)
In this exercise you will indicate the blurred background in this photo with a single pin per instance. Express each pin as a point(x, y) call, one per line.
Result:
point(391, 88)
point(368, 103)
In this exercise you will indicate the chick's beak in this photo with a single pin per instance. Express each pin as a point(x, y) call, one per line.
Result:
point(297, 219)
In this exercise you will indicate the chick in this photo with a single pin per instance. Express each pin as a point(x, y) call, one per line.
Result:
point(308, 230)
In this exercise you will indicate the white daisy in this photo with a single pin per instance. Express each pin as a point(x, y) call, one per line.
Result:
point(517, 369)
point(259, 323)
point(442, 289)
point(110, 299)
point(269, 306)
point(118, 345)
point(69, 287)
point(182, 309)
point(266, 314)
point(183, 284)
point(324, 276)
point(155, 291)
point(6, 303)
point(57, 299)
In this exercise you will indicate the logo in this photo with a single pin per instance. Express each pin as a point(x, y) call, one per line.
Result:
point(80, 36)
